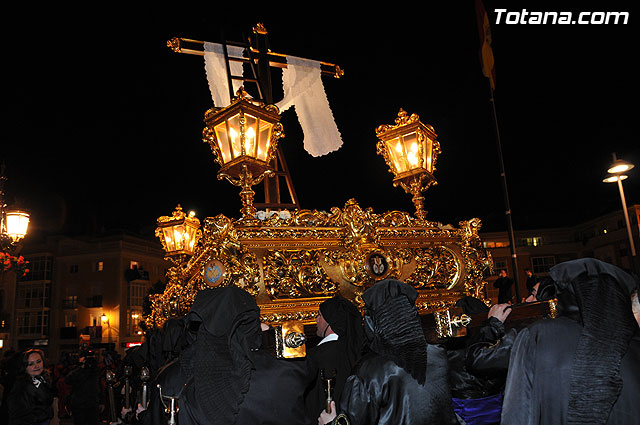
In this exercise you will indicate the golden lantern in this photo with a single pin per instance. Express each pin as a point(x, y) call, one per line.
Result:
point(179, 233)
point(410, 149)
point(244, 137)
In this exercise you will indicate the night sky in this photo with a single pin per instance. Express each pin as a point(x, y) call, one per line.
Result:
point(104, 123)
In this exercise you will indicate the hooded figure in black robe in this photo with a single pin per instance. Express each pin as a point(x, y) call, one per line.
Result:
point(584, 366)
point(478, 365)
point(334, 357)
point(402, 380)
point(223, 377)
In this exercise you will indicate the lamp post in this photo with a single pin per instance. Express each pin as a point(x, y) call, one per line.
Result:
point(410, 149)
point(616, 175)
point(243, 137)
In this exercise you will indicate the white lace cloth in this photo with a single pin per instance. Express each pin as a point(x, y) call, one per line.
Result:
point(303, 89)
point(216, 70)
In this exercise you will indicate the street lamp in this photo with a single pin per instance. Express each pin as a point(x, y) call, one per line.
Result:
point(13, 223)
point(410, 149)
point(616, 174)
point(243, 137)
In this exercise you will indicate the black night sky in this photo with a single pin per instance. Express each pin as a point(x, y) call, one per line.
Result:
point(104, 122)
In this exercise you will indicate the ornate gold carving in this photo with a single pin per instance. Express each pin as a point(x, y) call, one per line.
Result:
point(437, 267)
point(553, 308)
point(260, 29)
point(292, 261)
point(296, 274)
point(174, 44)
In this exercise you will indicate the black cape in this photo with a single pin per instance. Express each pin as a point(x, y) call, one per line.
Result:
point(383, 393)
point(539, 376)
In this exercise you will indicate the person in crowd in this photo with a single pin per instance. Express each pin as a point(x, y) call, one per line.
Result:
point(10, 367)
point(86, 397)
point(505, 287)
point(533, 294)
point(532, 279)
point(32, 400)
point(224, 376)
point(478, 363)
point(339, 324)
point(402, 379)
point(584, 366)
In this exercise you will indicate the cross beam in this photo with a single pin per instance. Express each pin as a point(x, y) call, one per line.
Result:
point(276, 60)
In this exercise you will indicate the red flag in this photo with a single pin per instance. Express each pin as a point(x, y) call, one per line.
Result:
point(486, 53)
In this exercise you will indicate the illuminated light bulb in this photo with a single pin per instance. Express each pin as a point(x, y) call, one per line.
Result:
point(414, 147)
point(234, 139)
point(399, 147)
point(412, 158)
point(250, 136)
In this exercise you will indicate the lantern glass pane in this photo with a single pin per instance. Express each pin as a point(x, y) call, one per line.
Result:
point(222, 136)
point(178, 236)
point(250, 135)
point(235, 135)
point(168, 239)
point(190, 238)
point(428, 152)
point(264, 139)
point(395, 148)
point(17, 224)
point(412, 158)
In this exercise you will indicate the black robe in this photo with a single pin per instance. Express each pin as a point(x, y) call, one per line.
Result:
point(537, 389)
point(383, 393)
point(505, 291)
point(275, 394)
point(327, 358)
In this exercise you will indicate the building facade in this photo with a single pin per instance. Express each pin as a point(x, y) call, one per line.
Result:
point(81, 290)
point(604, 238)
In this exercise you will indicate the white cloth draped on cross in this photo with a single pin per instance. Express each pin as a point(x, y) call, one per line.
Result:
point(303, 89)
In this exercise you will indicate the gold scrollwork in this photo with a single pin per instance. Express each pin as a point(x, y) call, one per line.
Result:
point(295, 274)
point(436, 267)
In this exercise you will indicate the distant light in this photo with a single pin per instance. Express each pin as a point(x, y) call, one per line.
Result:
point(613, 179)
point(620, 166)
point(133, 344)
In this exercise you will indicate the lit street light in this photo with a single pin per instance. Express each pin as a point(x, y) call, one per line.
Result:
point(616, 170)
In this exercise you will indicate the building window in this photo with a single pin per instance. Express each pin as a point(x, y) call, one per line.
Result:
point(499, 265)
point(542, 264)
point(70, 319)
point(137, 293)
point(73, 268)
point(33, 295)
point(70, 301)
point(33, 323)
point(135, 317)
point(495, 244)
point(535, 241)
point(40, 268)
point(100, 266)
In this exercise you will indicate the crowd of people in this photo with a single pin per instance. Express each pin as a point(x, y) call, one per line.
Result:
point(377, 367)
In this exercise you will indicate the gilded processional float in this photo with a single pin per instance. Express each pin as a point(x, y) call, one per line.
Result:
point(291, 260)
